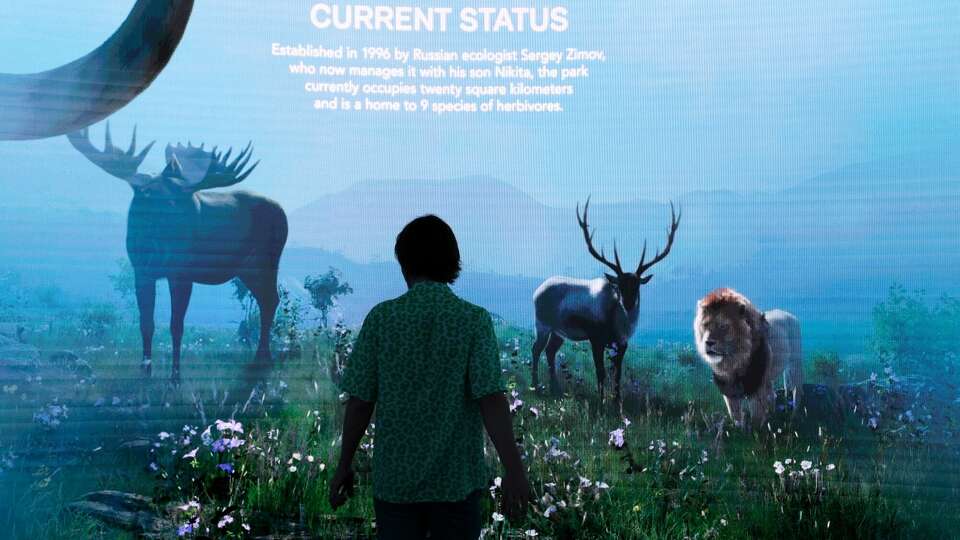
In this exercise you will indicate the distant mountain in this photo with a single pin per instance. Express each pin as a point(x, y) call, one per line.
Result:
point(826, 249)
point(868, 223)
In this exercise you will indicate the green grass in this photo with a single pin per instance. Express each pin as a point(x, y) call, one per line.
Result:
point(682, 472)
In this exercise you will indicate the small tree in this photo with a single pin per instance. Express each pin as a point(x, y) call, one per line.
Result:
point(909, 329)
point(123, 282)
point(324, 291)
point(249, 328)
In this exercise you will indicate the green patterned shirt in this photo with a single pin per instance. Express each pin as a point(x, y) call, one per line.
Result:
point(426, 358)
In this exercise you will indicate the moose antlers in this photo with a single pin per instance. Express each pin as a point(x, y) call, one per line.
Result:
point(111, 159)
point(616, 266)
point(214, 168)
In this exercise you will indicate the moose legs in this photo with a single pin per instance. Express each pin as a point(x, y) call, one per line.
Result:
point(146, 291)
point(263, 286)
point(179, 299)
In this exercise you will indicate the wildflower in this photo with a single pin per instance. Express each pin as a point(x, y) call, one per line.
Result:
point(191, 454)
point(164, 435)
point(778, 467)
point(185, 529)
point(153, 467)
point(616, 438)
point(585, 482)
point(206, 437)
point(229, 425)
point(226, 467)
point(531, 533)
point(535, 412)
point(323, 466)
point(310, 459)
point(193, 504)
point(245, 527)
point(636, 508)
point(831, 467)
point(806, 464)
point(224, 521)
point(219, 445)
point(297, 456)
point(602, 485)
point(293, 468)
point(498, 517)
point(234, 442)
point(723, 522)
point(549, 511)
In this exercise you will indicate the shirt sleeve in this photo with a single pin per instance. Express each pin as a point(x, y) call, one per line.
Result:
point(483, 368)
point(360, 375)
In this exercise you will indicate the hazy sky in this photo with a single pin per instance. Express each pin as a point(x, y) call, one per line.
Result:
point(694, 95)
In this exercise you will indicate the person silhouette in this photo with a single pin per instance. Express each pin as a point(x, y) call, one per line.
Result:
point(428, 364)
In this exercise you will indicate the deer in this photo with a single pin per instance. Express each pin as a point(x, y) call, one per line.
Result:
point(603, 311)
point(178, 231)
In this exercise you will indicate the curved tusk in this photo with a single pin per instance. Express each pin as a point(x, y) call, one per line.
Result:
point(85, 91)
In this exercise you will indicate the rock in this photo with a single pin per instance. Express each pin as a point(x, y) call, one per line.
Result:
point(128, 511)
point(135, 444)
point(15, 354)
point(69, 361)
point(14, 331)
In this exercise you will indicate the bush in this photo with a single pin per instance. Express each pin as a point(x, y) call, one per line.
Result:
point(97, 320)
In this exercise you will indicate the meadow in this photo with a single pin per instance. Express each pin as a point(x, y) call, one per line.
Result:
point(233, 453)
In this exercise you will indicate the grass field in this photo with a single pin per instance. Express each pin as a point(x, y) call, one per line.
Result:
point(670, 466)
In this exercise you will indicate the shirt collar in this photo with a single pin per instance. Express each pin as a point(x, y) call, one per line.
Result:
point(429, 286)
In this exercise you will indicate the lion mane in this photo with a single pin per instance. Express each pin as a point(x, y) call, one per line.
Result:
point(747, 349)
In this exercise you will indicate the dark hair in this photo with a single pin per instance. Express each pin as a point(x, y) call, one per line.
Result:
point(427, 248)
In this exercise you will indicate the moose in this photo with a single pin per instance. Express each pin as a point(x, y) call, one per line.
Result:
point(178, 231)
point(603, 311)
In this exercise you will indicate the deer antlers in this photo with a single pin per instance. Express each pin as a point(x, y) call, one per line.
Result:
point(674, 223)
point(616, 266)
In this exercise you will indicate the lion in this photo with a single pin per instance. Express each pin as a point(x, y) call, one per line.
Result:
point(748, 350)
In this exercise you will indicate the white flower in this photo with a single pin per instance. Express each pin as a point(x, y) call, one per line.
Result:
point(310, 459)
point(806, 464)
point(191, 454)
point(549, 511)
point(323, 466)
point(787, 461)
point(498, 517)
point(224, 521)
point(778, 467)
point(297, 456)
point(831, 467)
point(231, 425)
point(531, 533)
point(616, 438)
point(164, 435)
point(497, 481)
point(602, 485)
point(293, 468)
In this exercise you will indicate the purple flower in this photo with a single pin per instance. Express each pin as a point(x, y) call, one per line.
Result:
point(226, 467)
point(219, 445)
point(184, 529)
